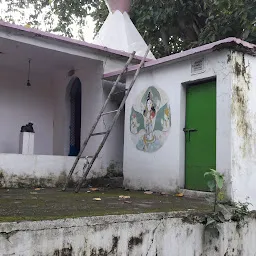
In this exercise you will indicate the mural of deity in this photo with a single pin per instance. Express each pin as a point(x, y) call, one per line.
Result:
point(150, 120)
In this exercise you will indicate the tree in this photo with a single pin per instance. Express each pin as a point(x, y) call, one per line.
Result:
point(169, 25)
point(175, 25)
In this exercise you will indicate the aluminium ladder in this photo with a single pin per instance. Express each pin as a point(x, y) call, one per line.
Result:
point(88, 165)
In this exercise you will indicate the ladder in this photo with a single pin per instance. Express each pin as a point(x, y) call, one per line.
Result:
point(88, 165)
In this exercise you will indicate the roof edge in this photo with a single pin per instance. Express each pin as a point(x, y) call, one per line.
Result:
point(230, 42)
point(51, 36)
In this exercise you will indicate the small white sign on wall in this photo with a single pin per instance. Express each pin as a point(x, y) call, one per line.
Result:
point(197, 66)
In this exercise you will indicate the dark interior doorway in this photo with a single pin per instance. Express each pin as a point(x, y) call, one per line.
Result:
point(75, 117)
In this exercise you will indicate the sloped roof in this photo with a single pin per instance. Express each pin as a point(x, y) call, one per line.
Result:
point(231, 42)
point(30, 32)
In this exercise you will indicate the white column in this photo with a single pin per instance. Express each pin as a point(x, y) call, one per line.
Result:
point(26, 146)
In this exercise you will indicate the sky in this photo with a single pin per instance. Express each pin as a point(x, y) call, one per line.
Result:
point(22, 18)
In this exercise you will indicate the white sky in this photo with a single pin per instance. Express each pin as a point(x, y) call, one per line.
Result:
point(21, 17)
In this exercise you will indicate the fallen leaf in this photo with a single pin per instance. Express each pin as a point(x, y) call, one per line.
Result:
point(124, 197)
point(148, 192)
point(37, 189)
point(96, 199)
point(94, 189)
point(179, 195)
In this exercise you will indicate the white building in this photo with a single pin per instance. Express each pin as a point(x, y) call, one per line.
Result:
point(187, 112)
point(190, 112)
point(64, 98)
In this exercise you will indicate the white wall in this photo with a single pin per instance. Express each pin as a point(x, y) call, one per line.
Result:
point(92, 95)
point(20, 104)
point(93, 99)
point(161, 234)
point(113, 149)
point(244, 129)
point(37, 170)
point(45, 104)
point(164, 169)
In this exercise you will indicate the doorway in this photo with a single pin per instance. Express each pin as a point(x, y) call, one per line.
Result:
point(200, 134)
point(75, 117)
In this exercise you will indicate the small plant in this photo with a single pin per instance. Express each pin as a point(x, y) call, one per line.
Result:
point(241, 210)
point(216, 185)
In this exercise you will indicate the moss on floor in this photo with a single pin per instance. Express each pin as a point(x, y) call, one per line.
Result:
point(49, 204)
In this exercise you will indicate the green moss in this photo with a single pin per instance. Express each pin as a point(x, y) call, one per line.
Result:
point(1, 179)
point(113, 170)
point(240, 110)
point(238, 69)
point(229, 58)
point(50, 204)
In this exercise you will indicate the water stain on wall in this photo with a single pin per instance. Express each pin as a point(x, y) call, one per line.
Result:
point(240, 111)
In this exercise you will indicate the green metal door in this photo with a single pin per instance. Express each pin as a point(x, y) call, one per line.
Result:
point(200, 133)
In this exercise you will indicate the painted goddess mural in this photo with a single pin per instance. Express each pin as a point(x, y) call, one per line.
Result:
point(150, 120)
point(149, 114)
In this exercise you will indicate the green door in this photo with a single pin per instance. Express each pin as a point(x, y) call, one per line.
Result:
point(200, 133)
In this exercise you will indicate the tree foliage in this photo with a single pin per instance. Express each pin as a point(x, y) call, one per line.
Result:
point(169, 25)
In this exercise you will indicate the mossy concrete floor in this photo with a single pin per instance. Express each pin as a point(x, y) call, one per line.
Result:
point(48, 204)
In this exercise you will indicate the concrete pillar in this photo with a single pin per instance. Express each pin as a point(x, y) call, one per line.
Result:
point(26, 146)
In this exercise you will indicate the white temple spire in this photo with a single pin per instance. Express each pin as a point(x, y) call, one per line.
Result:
point(118, 32)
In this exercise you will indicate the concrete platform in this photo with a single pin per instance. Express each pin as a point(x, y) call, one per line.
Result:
point(50, 204)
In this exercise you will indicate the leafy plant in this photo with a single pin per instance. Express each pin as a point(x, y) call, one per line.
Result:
point(241, 210)
point(215, 184)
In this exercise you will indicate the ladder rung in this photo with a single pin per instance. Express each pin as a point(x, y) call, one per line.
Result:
point(98, 133)
point(119, 92)
point(110, 112)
